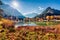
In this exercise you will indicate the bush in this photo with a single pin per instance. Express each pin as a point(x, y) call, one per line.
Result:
point(11, 30)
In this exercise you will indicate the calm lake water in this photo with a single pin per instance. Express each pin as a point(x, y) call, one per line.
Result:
point(24, 24)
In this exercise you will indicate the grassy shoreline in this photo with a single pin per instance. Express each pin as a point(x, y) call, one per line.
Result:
point(47, 23)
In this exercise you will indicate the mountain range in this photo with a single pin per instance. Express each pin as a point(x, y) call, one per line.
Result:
point(10, 11)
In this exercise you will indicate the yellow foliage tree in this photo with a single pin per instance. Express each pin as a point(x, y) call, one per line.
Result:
point(51, 17)
point(7, 22)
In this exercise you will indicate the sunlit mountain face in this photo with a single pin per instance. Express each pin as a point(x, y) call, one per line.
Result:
point(10, 11)
point(49, 12)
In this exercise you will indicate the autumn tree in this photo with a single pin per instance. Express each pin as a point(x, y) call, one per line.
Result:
point(51, 17)
point(48, 18)
point(7, 23)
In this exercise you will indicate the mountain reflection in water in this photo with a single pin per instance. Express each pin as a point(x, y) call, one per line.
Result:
point(24, 24)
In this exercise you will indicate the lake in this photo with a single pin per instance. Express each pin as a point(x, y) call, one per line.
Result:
point(24, 24)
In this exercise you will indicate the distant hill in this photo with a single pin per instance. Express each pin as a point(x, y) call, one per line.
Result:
point(10, 11)
point(49, 11)
point(31, 15)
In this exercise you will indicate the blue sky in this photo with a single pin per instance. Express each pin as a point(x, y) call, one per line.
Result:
point(36, 6)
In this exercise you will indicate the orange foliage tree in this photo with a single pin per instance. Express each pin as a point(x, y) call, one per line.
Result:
point(49, 17)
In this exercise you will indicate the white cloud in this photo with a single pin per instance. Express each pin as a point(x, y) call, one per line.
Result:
point(32, 11)
point(38, 11)
point(40, 8)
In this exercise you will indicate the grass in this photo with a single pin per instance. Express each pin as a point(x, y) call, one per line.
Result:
point(46, 23)
point(26, 33)
point(49, 23)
